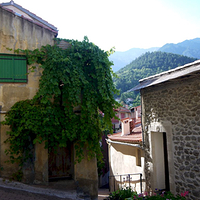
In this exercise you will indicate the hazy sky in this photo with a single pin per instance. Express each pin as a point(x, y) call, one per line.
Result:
point(123, 24)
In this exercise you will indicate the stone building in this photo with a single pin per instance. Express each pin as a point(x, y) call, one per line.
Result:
point(21, 29)
point(171, 129)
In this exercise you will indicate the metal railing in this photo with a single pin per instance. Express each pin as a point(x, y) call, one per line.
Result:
point(123, 180)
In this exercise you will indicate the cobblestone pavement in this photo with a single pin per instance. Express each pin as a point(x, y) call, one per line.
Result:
point(12, 194)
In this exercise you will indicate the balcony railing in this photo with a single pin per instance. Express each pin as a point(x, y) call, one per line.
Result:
point(132, 181)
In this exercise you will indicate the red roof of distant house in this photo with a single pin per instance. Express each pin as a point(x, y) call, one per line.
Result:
point(122, 109)
point(137, 121)
point(134, 137)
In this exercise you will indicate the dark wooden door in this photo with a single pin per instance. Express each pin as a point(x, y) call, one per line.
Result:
point(60, 163)
point(166, 162)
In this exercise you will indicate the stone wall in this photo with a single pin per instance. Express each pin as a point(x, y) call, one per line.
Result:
point(176, 103)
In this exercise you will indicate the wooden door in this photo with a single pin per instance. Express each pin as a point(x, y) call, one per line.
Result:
point(60, 163)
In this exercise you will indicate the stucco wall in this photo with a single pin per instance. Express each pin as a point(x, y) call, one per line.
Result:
point(16, 32)
point(123, 160)
point(174, 108)
point(86, 176)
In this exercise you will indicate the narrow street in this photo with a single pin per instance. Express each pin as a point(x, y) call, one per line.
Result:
point(13, 194)
point(12, 190)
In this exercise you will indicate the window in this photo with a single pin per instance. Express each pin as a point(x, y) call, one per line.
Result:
point(13, 69)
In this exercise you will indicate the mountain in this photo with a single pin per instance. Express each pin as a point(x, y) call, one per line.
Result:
point(149, 64)
point(190, 48)
point(121, 59)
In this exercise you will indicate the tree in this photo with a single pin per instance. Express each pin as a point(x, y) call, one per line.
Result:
point(75, 89)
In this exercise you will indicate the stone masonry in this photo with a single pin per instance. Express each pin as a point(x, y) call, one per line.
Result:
point(177, 102)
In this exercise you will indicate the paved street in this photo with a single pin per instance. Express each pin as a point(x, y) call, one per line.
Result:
point(12, 194)
point(12, 190)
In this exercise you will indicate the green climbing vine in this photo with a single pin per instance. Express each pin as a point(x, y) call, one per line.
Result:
point(75, 90)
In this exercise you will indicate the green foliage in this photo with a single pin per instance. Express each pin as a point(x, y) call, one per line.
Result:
point(78, 77)
point(146, 65)
point(128, 194)
point(122, 194)
point(18, 175)
point(158, 196)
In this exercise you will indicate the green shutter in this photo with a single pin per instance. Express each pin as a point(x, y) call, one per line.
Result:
point(20, 70)
point(6, 69)
point(13, 69)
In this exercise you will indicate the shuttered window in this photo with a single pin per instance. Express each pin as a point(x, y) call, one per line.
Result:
point(13, 69)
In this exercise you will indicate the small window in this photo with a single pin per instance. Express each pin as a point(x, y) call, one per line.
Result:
point(138, 158)
point(13, 69)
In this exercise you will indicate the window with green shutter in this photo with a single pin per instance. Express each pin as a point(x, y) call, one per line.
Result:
point(13, 69)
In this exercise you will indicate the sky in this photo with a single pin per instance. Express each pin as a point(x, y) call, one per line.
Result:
point(123, 24)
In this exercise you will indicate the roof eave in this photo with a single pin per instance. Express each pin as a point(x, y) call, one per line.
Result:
point(30, 14)
point(168, 75)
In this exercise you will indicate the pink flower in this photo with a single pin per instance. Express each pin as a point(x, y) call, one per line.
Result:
point(145, 193)
point(185, 193)
point(140, 195)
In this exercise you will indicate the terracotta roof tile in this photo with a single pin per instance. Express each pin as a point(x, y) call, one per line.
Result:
point(122, 109)
point(134, 137)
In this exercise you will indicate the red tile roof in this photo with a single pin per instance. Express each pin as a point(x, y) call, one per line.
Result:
point(134, 137)
point(122, 109)
point(137, 121)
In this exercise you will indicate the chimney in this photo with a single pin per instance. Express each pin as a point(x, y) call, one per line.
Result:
point(126, 126)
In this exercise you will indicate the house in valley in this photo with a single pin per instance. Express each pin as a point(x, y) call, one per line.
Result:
point(21, 29)
point(171, 123)
point(121, 113)
point(126, 156)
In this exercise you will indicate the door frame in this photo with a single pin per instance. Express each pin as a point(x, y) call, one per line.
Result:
point(161, 127)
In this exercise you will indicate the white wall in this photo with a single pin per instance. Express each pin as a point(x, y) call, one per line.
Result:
point(123, 159)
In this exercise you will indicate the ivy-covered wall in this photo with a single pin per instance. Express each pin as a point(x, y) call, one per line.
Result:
point(174, 107)
point(63, 105)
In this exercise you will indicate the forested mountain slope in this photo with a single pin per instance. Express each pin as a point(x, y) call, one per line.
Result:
point(190, 48)
point(121, 59)
point(146, 65)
